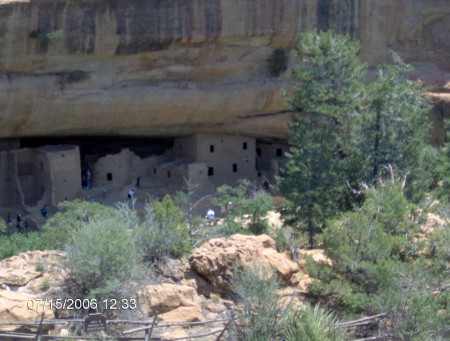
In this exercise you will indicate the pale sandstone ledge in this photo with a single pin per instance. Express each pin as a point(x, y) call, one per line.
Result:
point(175, 67)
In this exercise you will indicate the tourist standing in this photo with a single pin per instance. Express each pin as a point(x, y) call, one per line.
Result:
point(44, 212)
point(9, 220)
point(19, 220)
point(210, 216)
point(88, 179)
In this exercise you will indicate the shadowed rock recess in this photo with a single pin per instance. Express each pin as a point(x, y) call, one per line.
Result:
point(173, 67)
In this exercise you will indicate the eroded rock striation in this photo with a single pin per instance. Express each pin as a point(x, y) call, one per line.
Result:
point(175, 67)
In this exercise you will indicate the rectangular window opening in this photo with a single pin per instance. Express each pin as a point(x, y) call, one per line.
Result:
point(211, 148)
point(234, 167)
point(109, 176)
point(244, 146)
point(169, 174)
point(258, 151)
point(279, 152)
point(210, 171)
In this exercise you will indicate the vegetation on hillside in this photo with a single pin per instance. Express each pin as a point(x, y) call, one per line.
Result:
point(245, 206)
point(260, 316)
point(358, 171)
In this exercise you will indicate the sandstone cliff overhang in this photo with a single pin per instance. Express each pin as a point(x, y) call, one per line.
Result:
point(150, 67)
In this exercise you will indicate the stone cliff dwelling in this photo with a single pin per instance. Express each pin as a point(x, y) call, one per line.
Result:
point(209, 160)
point(37, 175)
point(33, 177)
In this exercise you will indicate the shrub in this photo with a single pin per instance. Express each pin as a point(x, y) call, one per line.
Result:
point(12, 244)
point(33, 35)
point(277, 62)
point(368, 248)
point(3, 228)
point(73, 214)
point(442, 173)
point(45, 285)
point(416, 313)
point(39, 267)
point(167, 213)
point(15, 243)
point(101, 254)
point(260, 315)
point(312, 324)
point(439, 246)
point(281, 241)
point(53, 36)
point(246, 207)
point(48, 36)
point(378, 265)
point(164, 232)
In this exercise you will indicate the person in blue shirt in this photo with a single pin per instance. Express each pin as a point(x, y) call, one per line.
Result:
point(44, 212)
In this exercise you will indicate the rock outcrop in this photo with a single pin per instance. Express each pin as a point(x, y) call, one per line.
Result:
point(29, 274)
point(183, 314)
point(26, 271)
point(16, 307)
point(151, 67)
point(216, 259)
point(17, 277)
point(165, 297)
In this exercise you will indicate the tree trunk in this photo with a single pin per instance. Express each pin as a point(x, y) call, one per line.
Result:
point(376, 158)
point(311, 234)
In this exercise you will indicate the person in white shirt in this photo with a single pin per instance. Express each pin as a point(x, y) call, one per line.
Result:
point(210, 216)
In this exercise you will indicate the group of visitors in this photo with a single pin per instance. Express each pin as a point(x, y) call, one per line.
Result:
point(21, 225)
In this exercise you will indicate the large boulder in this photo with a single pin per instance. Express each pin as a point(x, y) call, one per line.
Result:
point(216, 259)
point(162, 298)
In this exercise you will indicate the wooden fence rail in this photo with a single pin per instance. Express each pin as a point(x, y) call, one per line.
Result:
point(150, 325)
point(58, 322)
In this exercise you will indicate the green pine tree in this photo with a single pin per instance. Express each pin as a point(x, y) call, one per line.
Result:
point(397, 127)
point(324, 154)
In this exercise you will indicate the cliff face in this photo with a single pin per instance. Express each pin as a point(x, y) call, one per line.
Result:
point(170, 67)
